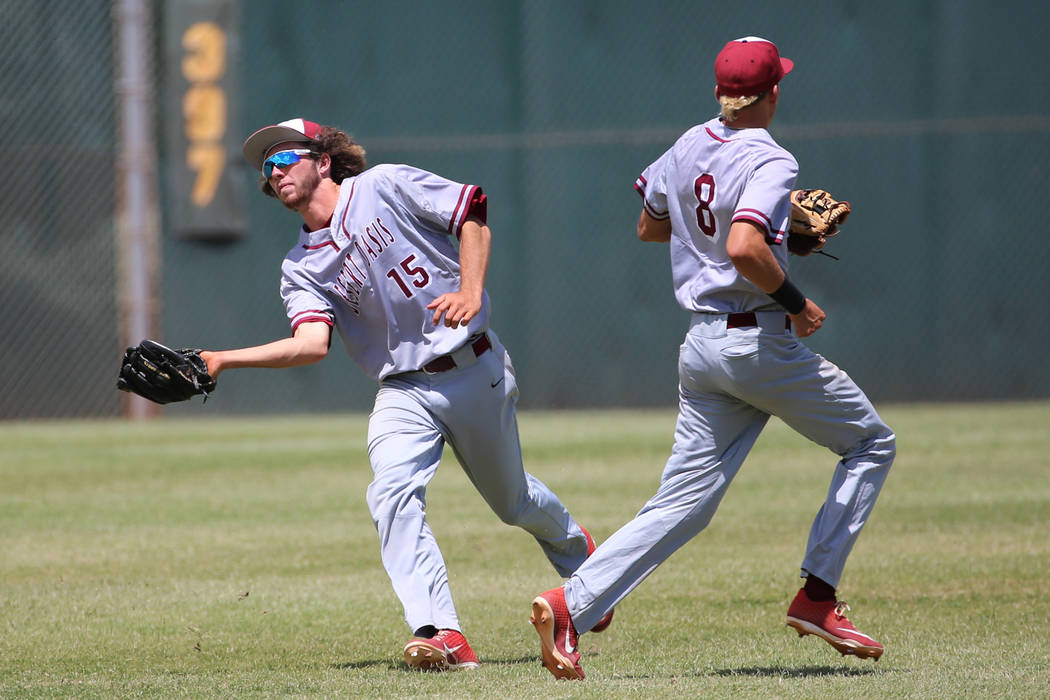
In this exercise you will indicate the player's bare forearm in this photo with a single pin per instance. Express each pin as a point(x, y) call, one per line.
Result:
point(653, 230)
point(458, 308)
point(309, 344)
point(751, 255)
point(475, 246)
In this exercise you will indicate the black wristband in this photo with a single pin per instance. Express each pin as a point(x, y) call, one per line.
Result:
point(789, 297)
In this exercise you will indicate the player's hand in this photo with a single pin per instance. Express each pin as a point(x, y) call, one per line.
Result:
point(212, 361)
point(458, 308)
point(807, 321)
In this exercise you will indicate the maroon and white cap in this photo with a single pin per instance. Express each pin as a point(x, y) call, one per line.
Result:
point(256, 146)
point(749, 66)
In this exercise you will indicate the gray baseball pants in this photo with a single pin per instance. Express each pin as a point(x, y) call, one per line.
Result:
point(472, 408)
point(730, 381)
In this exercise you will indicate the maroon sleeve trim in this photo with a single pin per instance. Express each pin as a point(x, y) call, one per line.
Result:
point(762, 221)
point(312, 319)
point(639, 187)
point(753, 215)
point(472, 202)
point(653, 213)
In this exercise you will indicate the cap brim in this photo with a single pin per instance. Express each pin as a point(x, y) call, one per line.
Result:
point(787, 64)
point(256, 146)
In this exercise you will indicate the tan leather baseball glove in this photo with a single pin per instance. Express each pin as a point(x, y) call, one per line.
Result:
point(815, 217)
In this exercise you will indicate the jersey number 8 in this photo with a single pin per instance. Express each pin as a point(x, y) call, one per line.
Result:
point(704, 187)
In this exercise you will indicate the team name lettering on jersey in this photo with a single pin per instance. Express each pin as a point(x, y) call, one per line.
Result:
point(368, 245)
point(389, 251)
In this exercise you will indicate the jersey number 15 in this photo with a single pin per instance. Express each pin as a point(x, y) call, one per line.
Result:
point(417, 275)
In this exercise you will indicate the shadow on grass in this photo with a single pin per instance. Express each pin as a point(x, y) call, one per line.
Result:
point(401, 666)
point(371, 663)
point(755, 671)
point(797, 671)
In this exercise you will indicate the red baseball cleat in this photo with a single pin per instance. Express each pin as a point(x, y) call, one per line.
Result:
point(550, 616)
point(445, 651)
point(603, 624)
point(827, 620)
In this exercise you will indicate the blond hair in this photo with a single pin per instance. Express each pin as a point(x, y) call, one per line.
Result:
point(731, 106)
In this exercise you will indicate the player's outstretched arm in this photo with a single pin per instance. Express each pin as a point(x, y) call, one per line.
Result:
point(458, 308)
point(309, 344)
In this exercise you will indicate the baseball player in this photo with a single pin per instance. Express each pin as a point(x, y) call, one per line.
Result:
point(376, 260)
point(720, 197)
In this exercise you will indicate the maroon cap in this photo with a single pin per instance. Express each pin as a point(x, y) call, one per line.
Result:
point(749, 66)
point(256, 146)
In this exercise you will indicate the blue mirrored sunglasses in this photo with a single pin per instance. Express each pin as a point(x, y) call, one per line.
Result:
point(283, 159)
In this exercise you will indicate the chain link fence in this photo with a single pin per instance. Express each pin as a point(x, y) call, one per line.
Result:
point(905, 108)
point(58, 326)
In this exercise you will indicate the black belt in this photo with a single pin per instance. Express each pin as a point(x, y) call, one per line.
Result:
point(748, 320)
point(445, 362)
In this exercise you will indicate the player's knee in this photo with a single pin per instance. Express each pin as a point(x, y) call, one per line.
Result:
point(885, 443)
point(388, 500)
point(889, 446)
point(509, 514)
point(878, 447)
point(509, 508)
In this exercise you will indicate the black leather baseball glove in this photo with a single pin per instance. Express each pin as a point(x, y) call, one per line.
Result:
point(163, 375)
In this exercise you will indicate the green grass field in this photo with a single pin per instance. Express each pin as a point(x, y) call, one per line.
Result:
point(236, 558)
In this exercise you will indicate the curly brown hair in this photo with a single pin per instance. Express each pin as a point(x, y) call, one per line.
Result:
point(348, 156)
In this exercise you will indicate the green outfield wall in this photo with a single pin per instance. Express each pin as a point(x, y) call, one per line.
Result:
point(932, 118)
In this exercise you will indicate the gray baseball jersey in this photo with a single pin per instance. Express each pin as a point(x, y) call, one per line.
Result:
point(387, 253)
point(747, 181)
